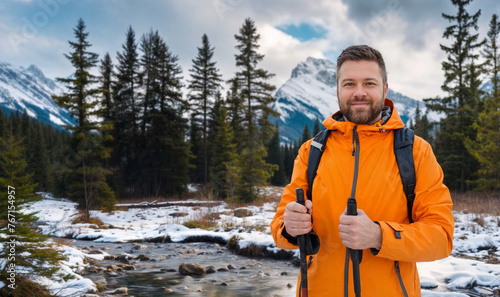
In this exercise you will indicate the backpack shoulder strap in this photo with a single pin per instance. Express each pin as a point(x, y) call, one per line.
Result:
point(403, 149)
point(315, 152)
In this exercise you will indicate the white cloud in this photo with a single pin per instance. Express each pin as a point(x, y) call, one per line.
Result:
point(414, 67)
point(283, 52)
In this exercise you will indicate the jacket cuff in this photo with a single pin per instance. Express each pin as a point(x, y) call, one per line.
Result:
point(290, 238)
point(374, 250)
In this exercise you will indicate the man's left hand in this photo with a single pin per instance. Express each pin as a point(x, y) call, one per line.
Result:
point(359, 232)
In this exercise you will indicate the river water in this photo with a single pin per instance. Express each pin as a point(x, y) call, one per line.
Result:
point(159, 276)
point(249, 277)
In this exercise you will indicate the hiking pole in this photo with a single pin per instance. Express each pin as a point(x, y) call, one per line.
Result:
point(301, 239)
point(352, 210)
point(356, 255)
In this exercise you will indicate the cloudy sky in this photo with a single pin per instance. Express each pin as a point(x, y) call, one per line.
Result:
point(407, 32)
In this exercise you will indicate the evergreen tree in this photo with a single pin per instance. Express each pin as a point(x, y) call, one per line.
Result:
point(41, 161)
point(204, 84)
point(166, 158)
point(459, 106)
point(3, 125)
point(125, 114)
point(276, 157)
point(196, 141)
point(30, 252)
point(126, 88)
point(235, 111)
point(255, 91)
point(106, 71)
point(288, 161)
point(306, 134)
point(86, 178)
point(316, 128)
point(256, 94)
point(422, 126)
point(491, 54)
point(486, 148)
point(107, 106)
point(224, 167)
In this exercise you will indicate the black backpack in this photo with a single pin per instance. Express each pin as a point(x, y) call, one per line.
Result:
point(403, 149)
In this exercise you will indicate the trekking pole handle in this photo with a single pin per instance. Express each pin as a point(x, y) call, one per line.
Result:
point(299, 193)
point(352, 208)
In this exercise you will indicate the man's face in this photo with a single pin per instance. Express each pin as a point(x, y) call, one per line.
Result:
point(361, 92)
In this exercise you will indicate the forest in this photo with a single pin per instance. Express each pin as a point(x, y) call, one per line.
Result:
point(139, 136)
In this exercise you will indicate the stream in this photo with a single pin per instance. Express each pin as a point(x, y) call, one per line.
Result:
point(159, 275)
point(233, 275)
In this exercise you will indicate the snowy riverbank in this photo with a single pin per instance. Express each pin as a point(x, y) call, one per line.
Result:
point(476, 240)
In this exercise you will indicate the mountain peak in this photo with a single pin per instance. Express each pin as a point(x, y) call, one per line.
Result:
point(38, 73)
point(320, 69)
point(30, 90)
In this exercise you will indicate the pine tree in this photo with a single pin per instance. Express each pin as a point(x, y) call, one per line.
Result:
point(41, 161)
point(256, 94)
point(196, 141)
point(224, 169)
point(491, 54)
point(288, 161)
point(126, 115)
point(306, 134)
point(255, 91)
point(86, 178)
point(276, 157)
point(459, 106)
point(316, 128)
point(422, 126)
point(106, 71)
point(126, 88)
point(204, 84)
point(30, 250)
point(235, 112)
point(3, 125)
point(486, 148)
point(166, 158)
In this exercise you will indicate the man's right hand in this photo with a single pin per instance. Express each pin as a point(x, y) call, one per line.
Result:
point(297, 218)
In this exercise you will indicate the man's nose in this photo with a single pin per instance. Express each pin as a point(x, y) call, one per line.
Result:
point(360, 91)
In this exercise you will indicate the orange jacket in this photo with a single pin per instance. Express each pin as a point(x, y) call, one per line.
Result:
point(380, 194)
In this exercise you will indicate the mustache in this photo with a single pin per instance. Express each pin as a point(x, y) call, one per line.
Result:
point(360, 101)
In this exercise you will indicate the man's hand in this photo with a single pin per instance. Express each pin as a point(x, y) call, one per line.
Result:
point(359, 232)
point(296, 218)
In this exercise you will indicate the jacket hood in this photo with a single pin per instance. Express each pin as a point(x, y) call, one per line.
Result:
point(390, 121)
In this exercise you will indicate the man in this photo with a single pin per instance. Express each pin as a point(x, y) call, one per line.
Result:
point(381, 228)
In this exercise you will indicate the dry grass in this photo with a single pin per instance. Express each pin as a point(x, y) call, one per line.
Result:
point(206, 221)
point(478, 203)
point(58, 241)
point(81, 218)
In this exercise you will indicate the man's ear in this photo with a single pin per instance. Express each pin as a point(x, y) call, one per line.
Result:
point(385, 90)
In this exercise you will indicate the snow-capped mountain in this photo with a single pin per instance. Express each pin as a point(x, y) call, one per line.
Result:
point(29, 90)
point(311, 93)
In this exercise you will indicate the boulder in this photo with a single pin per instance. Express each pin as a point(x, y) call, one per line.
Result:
point(143, 257)
point(243, 212)
point(192, 269)
point(140, 247)
point(122, 290)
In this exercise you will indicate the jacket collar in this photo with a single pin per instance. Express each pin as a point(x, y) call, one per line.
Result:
point(390, 121)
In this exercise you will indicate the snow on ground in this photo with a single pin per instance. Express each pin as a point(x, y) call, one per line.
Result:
point(476, 236)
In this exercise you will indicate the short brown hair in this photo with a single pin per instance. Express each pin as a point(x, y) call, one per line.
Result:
point(362, 53)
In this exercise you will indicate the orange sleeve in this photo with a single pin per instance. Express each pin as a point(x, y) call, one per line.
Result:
point(298, 180)
point(430, 237)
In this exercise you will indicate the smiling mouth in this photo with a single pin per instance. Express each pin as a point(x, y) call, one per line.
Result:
point(359, 104)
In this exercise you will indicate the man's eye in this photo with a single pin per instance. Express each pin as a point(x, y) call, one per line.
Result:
point(348, 85)
point(370, 83)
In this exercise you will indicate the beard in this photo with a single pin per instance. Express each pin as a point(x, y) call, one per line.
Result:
point(365, 116)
